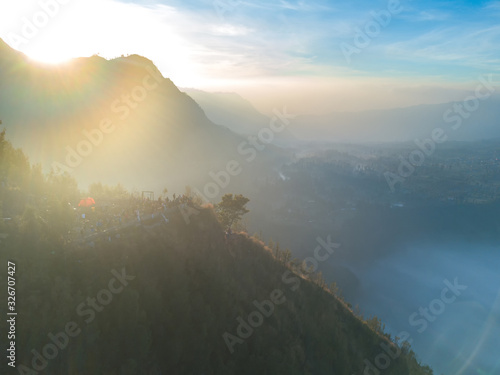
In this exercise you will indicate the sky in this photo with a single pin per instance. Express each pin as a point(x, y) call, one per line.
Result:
point(312, 56)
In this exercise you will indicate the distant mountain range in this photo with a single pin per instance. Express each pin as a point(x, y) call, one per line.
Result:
point(457, 120)
point(461, 121)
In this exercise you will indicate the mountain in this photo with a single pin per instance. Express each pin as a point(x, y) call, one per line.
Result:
point(186, 302)
point(473, 119)
point(168, 293)
point(230, 110)
point(237, 114)
point(460, 121)
point(107, 120)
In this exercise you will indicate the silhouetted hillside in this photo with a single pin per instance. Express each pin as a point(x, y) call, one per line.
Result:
point(108, 120)
point(187, 288)
point(168, 294)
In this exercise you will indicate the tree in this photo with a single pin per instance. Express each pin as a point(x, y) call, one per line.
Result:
point(188, 192)
point(15, 168)
point(376, 324)
point(334, 289)
point(63, 187)
point(286, 256)
point(231, 208)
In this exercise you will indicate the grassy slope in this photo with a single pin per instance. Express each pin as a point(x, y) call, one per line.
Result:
point(190, 286)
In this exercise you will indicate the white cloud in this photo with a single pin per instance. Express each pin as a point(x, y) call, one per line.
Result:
point(431, 16)
point(230, 30)
point(464, 46)
point(493, 5)
point(291, 42)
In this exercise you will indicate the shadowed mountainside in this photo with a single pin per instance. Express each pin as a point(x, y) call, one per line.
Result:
point(110, 120)
point(168, 295)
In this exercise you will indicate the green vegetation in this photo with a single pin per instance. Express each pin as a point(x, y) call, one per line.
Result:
point(189, 285)
point(230, 209)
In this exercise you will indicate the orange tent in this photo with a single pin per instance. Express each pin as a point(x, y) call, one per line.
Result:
point(87, 202)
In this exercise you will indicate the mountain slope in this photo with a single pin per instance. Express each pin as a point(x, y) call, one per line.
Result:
point(167, 293)
point(229, 109)
point(237, 114)
point(182, 291)
point(108, 120)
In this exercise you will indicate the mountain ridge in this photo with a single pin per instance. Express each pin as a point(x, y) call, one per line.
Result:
point(60, 112)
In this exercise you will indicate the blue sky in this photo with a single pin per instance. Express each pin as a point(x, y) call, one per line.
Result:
point(456, 40)
point(432, 50)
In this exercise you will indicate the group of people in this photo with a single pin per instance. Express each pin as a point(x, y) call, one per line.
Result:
point(106, 215)
point(229, 233)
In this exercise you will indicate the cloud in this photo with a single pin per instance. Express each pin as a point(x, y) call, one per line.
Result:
point(299, 6)
point(463, 46)
point(493, 5)
point(230, 30)
point(262, 40)
point(431, 16)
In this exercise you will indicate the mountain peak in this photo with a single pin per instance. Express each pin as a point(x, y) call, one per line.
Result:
point(135, 59)
point(8, 55)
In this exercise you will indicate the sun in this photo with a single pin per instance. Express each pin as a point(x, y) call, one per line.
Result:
point(55, 48)
point(48, 55)
point(155, 35)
